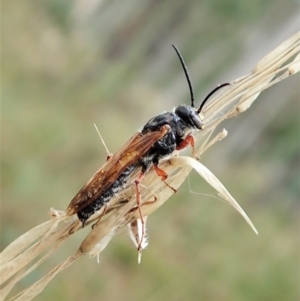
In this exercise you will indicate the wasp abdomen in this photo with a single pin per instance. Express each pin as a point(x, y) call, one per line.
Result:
point(97, 204)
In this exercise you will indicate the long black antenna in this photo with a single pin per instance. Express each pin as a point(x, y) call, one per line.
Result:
point(210, 94)
point(186, 74)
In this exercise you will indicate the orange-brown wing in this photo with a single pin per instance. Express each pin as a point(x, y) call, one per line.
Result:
point(135, 148)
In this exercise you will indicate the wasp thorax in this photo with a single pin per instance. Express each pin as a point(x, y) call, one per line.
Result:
point(190, 116)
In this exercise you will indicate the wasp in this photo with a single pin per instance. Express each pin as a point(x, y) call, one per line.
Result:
point(159, 138)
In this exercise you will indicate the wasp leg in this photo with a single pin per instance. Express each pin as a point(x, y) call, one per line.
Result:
point(150, 202)
point(163, 175)
point(188, 140)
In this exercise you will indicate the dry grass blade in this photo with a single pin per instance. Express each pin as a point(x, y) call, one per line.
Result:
point(276, 66)
point(281, 62)
point(24, 241)
point(212, 180)
point(10, 267)
point(37, 287)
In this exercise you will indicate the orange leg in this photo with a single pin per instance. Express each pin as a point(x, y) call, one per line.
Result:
point(138, 180)
point(188, 140)
point(161, 173)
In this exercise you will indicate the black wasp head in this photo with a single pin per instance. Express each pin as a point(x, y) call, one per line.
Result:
point(190, 116)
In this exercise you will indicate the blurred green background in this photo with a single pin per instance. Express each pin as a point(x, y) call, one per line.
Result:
point(69, 64)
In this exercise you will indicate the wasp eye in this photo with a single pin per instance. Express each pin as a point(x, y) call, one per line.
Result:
point(189, 116)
